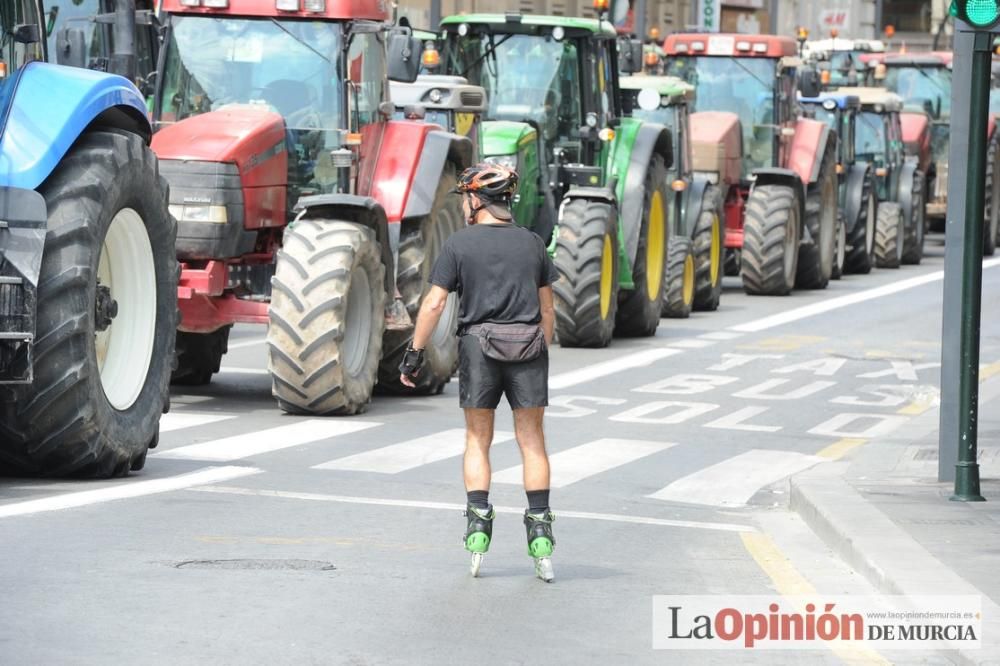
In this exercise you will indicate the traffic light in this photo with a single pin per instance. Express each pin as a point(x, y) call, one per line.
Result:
point(980, 14)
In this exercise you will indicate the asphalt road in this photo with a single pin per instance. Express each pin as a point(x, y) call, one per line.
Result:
point(254, 537)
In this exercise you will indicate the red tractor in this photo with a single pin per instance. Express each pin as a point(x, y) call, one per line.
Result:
point(777, 169)
point(300, 203)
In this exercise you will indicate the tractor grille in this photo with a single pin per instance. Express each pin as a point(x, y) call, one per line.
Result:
point(17, 303)
point(471, 99)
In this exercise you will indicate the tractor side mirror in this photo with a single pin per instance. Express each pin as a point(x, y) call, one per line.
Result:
point(630, 56)
point(404, 56)
point(71, 47)
point(26, 33)
point(809, 83)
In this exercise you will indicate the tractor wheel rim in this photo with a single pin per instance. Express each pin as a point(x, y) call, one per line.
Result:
point(125, 348)
point(841, 246)
point(870, 226)
point(357, 323)
point(791, 244)
point(900, 235)
point(828, 233)
point(655, 247)
point(688, 287)
point(714, 262)
point(607, 268)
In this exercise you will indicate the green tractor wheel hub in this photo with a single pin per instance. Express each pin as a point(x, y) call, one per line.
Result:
point(540, 547)
point(477, 542)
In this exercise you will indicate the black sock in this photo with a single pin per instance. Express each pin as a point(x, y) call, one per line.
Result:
point(479, 498)
point(538, 501)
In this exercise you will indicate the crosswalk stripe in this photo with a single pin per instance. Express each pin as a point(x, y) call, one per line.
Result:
point(734, 481)
point(588, 459)
point(721, 335)
point(692, 343)
point(180, 420)
point(406, 455)
point(266, 441)
point(639, 359)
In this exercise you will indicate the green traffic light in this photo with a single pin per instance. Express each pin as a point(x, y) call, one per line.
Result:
point(979, 13)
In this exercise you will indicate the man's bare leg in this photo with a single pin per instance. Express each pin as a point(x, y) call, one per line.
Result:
point(531, 440)
point(478, 438)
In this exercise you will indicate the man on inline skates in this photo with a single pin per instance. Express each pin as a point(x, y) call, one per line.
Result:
point(503, 276)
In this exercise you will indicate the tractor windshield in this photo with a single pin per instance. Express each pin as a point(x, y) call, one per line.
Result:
point(744, 86)
point(664, 115)
point(292, 67)
point(14, 54)
point(528, 78)
point(870, 138)
point(843, 68)
point(923, 86)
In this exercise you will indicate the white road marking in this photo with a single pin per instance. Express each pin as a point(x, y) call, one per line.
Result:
point(738, 421)
point(721, 335)
point(691, 343)
point(180, 420)
point(734, 481)
point(246, 343)
point(814, 309)
point(873, 425)
point(265, 441)
point(638, 359)
point(189, 399)
point(448, 506)
point(226, 370)
point(407, 455)
point(125, 489)
point(588, 459)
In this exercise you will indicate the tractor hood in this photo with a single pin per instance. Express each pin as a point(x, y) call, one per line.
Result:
point(248, 136)
point(717, 144)
point(504, 137)
point(916, 135)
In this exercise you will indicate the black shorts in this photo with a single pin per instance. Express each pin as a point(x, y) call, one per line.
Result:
point(482, 380)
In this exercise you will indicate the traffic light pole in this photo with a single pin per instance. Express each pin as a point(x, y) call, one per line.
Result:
point(963, 272)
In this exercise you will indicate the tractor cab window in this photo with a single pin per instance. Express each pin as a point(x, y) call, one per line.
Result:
point(12, 53)
point(871, 138)
point(928, 87)
point(671, 118)
point(366, 70)
point(528, 78)
point(744, 86)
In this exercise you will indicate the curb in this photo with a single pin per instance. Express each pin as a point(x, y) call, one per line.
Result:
point(874, 546)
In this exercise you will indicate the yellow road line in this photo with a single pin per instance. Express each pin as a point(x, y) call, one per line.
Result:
point(916, 407)
point(838, 449)
point(988, 371)
point(789, 582)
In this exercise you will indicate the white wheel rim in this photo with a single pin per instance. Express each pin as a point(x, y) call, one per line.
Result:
point(446, 324)
point(125, 349)
point(900, 237)
point(791, 242)
point(870, 226)
point(841, 245)
point(357, 323)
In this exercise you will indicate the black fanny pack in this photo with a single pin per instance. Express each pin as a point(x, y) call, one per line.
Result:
point(510, 343)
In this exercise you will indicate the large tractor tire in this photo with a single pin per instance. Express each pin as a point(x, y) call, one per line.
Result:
point(586, 294)
point(816, 257)
point(770, 240)
point(890, 228)
point(107, 312)
point(991, 225)
point(419, 247)
point(639, 310)
point(913, 241)
point(199, 356)
point(679, 280)
point(861, 256)
point(327, 316)
point(839, 247)
point(709, 239)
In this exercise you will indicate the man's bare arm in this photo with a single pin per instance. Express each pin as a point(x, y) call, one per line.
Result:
point(548, 312)
point(427, 319)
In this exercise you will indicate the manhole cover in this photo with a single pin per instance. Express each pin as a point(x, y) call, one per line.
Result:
point(258, 565)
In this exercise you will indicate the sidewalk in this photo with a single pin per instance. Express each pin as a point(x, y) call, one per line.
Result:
point(884, 513)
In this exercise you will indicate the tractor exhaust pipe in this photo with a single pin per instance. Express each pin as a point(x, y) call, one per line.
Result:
point(123, 60)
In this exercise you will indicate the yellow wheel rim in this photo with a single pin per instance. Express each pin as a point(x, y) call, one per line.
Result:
point(607, 275)
point(688, 289)
point(655, 247)
point(713, 263)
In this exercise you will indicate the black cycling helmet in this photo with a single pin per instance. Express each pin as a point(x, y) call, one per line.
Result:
point(491, 182)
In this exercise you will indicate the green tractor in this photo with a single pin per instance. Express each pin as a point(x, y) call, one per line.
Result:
point(697, 218)
point(554, 114)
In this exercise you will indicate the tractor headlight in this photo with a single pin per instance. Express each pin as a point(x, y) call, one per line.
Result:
point(199, 213)
point(507, 161)
point(829, 104)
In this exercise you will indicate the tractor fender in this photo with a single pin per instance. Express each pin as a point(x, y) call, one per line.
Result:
point(440, 147)
point(856, 177)
point(365, 211)
point(51, 107)
point(812, 138)
point(396, 165)
point(905, 194)
point(788, 178)
point(691, 204)
point(650, 139)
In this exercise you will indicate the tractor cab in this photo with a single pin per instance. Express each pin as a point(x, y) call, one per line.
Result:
point(754, 77)
point(878, 137)
point(447, 101)
point(839, 112)
point(839, 60)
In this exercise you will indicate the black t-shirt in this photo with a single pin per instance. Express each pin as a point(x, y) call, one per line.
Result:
point(497, 270)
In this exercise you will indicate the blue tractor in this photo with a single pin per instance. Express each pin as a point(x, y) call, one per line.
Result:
point(88, 271)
